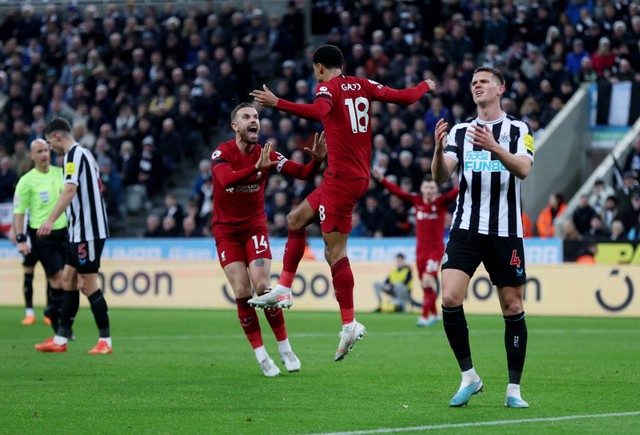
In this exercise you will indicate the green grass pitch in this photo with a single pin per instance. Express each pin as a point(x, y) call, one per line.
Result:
point(193, 371)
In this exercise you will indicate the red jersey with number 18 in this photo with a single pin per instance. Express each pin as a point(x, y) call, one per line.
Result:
point(347, 120)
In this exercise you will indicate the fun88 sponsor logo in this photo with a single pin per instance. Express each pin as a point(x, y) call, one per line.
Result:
point(480, 161)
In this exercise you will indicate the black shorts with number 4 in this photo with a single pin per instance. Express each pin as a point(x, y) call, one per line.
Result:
point(503, 257)
point(85, 256)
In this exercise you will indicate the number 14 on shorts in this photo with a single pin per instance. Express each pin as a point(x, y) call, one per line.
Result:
point(260, 243)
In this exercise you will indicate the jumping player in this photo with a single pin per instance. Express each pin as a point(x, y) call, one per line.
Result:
point(343, 104)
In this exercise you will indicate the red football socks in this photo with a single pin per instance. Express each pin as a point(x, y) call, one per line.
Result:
point(429, 303)
point(293, 252)
point(343, 286)
point(276, 320)
point(249, 321)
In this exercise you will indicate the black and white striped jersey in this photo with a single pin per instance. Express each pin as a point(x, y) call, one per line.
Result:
point(489, 198)
point(87, 213)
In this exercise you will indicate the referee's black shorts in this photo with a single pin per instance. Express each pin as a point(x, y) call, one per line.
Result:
point(503, 257)
point(29, 260)
point(51, 251)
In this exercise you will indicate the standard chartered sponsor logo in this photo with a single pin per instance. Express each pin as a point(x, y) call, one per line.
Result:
point(244, 188)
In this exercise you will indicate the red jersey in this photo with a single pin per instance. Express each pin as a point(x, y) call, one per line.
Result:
point(429, 219)
point(238, 188)
point(343, 104)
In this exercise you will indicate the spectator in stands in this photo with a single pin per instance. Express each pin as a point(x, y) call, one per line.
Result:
point(586, 73)
point(624, 72)
point(599, 195)
point(634, 56)
point(396, 222)
point(279, 226)
point(358, 228)
point(19, 132)
point(528, 65)
point(583, 214)
point(173, 209)
point(604, 58)
point(572, 241)
point(28, 25)
point(204, 173)
point(8, 180)
point(634, 230)
point(496, 30)
point(150, 172)
point(435, 113)
point(152, 229)
point(126, 119)
point(170, 146)
point(162, 103)
point(169, 227)
point(529, 109)
point(380, 151)
point(193, 208)
point(280, 204)
point(630, 217)
point(609, 212)
point(20, 160)
point(373, 215)
point(551, 110)
point(570, 232)
point(205, 205)
point(597, 230)
point(574, 58)
point(618, 233)
point(557, 73)
point(128, 164)
point(143, 131)
point(632, 163)
point(623, 193)
point(547, 216)
point(406, 168)
point(190, 228)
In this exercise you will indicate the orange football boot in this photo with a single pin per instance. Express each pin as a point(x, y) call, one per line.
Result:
point(102, 348)
point(29, 320)
point(49, 346)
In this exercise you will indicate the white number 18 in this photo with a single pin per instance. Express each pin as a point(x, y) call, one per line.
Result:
point(358, 114)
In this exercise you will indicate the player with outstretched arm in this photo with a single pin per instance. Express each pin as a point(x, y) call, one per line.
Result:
point(343, 104)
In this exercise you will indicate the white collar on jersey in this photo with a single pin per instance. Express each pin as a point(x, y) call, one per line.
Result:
point(479, 122)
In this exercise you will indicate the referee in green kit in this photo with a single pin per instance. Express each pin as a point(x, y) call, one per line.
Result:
point(38, 191)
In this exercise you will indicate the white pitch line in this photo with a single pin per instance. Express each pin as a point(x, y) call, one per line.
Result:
point(482, 423)
point(330, 334)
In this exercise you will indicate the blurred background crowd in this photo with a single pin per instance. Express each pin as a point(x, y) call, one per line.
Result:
point(149, 88)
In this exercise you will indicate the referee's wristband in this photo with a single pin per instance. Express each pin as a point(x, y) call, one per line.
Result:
point(20, 238)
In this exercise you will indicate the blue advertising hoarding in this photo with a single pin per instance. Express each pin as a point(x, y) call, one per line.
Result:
point(537, 251)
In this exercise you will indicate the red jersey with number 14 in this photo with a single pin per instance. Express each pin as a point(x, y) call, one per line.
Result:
point(346, 120)
point(238, 188)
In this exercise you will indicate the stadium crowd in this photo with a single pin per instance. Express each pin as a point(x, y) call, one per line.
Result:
point(149, 89)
